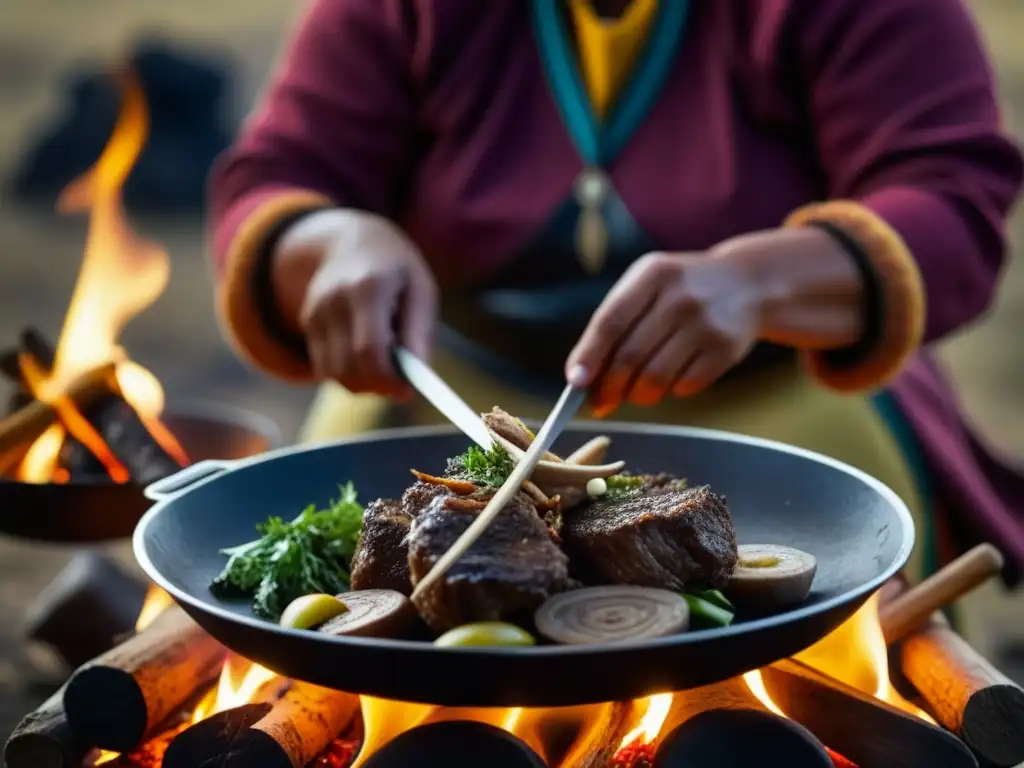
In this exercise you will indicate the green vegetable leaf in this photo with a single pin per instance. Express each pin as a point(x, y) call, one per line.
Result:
point(290, 559)
point(491, 467)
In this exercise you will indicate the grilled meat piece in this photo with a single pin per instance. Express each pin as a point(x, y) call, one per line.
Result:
point(381, 559)
point(508, 572)
point(661, 537)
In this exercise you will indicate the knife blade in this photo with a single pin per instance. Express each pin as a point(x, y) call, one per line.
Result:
point(428, 383)
point(568, 404)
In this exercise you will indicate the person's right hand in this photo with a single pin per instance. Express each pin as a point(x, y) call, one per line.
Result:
point(371, 289)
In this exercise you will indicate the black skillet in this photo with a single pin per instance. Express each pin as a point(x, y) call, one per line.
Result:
point(859, 531)
point(95, 510)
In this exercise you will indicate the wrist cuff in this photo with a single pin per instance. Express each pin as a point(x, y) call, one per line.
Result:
point(894, 298)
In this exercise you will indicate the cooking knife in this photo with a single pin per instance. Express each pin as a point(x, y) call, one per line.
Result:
point(568, 404)
point(425, 380)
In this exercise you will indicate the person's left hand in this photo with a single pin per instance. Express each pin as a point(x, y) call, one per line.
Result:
point(674, 323)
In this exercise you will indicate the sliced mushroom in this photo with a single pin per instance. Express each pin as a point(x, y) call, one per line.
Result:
point(770, 576)
point(612, 614)
point(559, 474)
point(591, 452)
point(512, 429)
point(373, 613)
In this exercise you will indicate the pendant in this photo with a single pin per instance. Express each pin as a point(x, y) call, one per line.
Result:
point(591, 189)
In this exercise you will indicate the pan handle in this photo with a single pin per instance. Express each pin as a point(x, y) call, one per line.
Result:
point(190, 475)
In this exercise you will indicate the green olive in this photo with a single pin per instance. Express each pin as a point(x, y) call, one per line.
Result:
point(485, 633)
point(311, 610)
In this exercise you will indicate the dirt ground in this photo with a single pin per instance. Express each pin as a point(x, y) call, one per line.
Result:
point(40, 41)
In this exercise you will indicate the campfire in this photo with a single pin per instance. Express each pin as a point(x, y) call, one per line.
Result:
point(172, 696)
point(82, 409)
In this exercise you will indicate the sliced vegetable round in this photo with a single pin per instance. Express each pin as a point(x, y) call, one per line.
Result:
point(612, 614)
point(771, 576)
point(373, 613)
point(485, 633)
point(311, 610)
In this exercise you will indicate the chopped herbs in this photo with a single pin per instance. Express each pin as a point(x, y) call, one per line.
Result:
point(622, 485)
point(310, 554)
point(491, 467)
point(626, 484)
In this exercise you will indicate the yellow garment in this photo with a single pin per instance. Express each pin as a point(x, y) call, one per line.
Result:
point(782, 403)
point(608, 48)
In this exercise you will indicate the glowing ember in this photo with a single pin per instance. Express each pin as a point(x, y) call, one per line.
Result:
point(121, 275)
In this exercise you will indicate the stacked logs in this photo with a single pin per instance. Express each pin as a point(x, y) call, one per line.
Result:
point(96, 397)
point(135, 699)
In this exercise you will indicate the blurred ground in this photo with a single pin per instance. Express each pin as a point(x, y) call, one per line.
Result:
point(41, 40)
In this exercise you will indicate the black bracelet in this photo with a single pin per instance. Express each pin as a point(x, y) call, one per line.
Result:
point(263, 287)
point(874, 311)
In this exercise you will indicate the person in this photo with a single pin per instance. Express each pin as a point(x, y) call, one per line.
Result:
point(752, 215)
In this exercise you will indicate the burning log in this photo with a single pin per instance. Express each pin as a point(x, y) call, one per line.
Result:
point(75, 457)
point(289, 733)
point(117, 699)
point(826, 707)
point(730, 694)
point(962, 689)
point(130, 440)
point(90, 586)
point(103, 407)
point(741, 737)
point(28, 423)
point(966, 693)
point(44, 739)
point(597, 746)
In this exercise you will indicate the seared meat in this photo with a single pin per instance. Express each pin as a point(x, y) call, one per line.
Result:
point(381, 559)
point(509, 571)
point(663, 537)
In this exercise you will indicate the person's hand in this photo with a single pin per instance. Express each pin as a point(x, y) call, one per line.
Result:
point(371, 289)
point(674, 323)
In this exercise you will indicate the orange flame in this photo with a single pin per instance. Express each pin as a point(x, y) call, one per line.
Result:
point(121, 275)
point(154, 604)
point(230, 693)
point(855, 654)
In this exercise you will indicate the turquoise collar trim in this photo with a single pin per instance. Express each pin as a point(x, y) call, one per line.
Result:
point(598, 143)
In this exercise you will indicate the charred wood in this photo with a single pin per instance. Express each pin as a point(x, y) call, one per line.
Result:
point(290, 732)
point(119, 698)
point(43, 739)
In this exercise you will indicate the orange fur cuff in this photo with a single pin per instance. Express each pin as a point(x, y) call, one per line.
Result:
point(901, 290)
point(239, 314)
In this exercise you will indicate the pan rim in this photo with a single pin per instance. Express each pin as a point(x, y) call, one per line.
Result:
point(544, 651)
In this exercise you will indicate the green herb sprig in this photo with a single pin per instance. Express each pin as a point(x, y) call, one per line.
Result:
point(491, 467)
point(310, 554)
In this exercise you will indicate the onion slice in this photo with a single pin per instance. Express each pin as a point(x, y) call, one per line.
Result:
point(372, 613)
point(612, 614)
point(770, 576)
